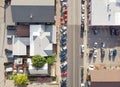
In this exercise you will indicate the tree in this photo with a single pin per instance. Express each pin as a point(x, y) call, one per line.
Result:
point(20, 79)
point(50, 60)
point(38, 61)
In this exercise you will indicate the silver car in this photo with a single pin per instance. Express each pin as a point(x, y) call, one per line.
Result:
point(95, 53)
point(111, 52)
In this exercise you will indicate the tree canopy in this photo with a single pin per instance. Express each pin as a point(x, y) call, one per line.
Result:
point(38, 61)
point(20, 79)
point(50, 60)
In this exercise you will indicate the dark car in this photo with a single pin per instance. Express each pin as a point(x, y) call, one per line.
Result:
point(62, 40)
point(102, 52)
point(63, 59)
point(82, 27)
point(8, 51)
point(62, 44)
point(95, 31)
point(103, 45)
point(63, 84)
point(90, 53)
point(62, 54)
point(114, 52)
point(112, 31)
point(64, 68)
point(116, 32)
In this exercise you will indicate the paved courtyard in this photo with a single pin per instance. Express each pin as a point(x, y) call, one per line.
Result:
point(111, 42)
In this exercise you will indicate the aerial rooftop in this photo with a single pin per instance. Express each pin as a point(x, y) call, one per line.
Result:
point(33, 11)
point(33, 2)
point(105, 12)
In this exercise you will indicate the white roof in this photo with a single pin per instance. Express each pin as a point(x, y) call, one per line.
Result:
point(33, 2)
point(105, 12)
point(34, 70)
point(41, 40)
point(19, 45)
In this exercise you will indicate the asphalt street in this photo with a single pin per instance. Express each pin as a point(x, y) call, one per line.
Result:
point(73, 44)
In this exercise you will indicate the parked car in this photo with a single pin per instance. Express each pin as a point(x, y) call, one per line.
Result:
point(63, 59)
point(83, 8)
point(82, 17)
point(63, 64)
point(110, 52)
point(63, 37)
point(90, 53)
point(95, 31)
point(117, 32)
point(83, 1)
point(63, 40)
point(63, 44)
point(62, 54)
point(61, 30)
point(102, 52)
point(64, 48)
point(112, 31)
point(103, 45)
point(95, 53)
point(64, 68)
point(64, 73)
point(10, 57)
point(95, 45)
point(64, 33)
point(82, 49)
point(91, 67)
point(82, 85)
point(8, 51)
point(63, 83)
point(114, 52)
point(82, 27)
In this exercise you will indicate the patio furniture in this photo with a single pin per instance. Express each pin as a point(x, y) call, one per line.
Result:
point(18, 61)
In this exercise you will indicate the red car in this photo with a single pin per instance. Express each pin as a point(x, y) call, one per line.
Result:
point(64, 73)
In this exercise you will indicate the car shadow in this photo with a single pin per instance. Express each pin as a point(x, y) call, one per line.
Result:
point(90, 59)
point(113, 59)
point(102, 59)
point(94, 59)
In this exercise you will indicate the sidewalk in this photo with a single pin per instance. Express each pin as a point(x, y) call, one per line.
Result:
point(58, 72)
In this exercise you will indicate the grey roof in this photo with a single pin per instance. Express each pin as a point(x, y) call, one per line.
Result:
point(105, 12)
point(33, 13)
point(41, 40)
point(33, 2)
point(19, 45)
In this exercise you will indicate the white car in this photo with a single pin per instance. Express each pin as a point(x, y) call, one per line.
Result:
point(82, 85)
point(82, 8)
point(83, 17)
point(64, 33)
point(95, 53)
point(82, 49)
point(64, 48)
point(63, 64)
point(111, 52)
point(91, 67)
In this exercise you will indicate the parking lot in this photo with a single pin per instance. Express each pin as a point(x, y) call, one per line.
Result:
point(111, 42)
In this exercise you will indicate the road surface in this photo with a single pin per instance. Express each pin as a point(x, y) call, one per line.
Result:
point(73, 43)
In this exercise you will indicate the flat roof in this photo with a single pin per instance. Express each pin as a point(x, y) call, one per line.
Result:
point(33, 2)
point(23, 31)
point(105, 75)
point(105, 12)
point(34, 70)
point(9, 20)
